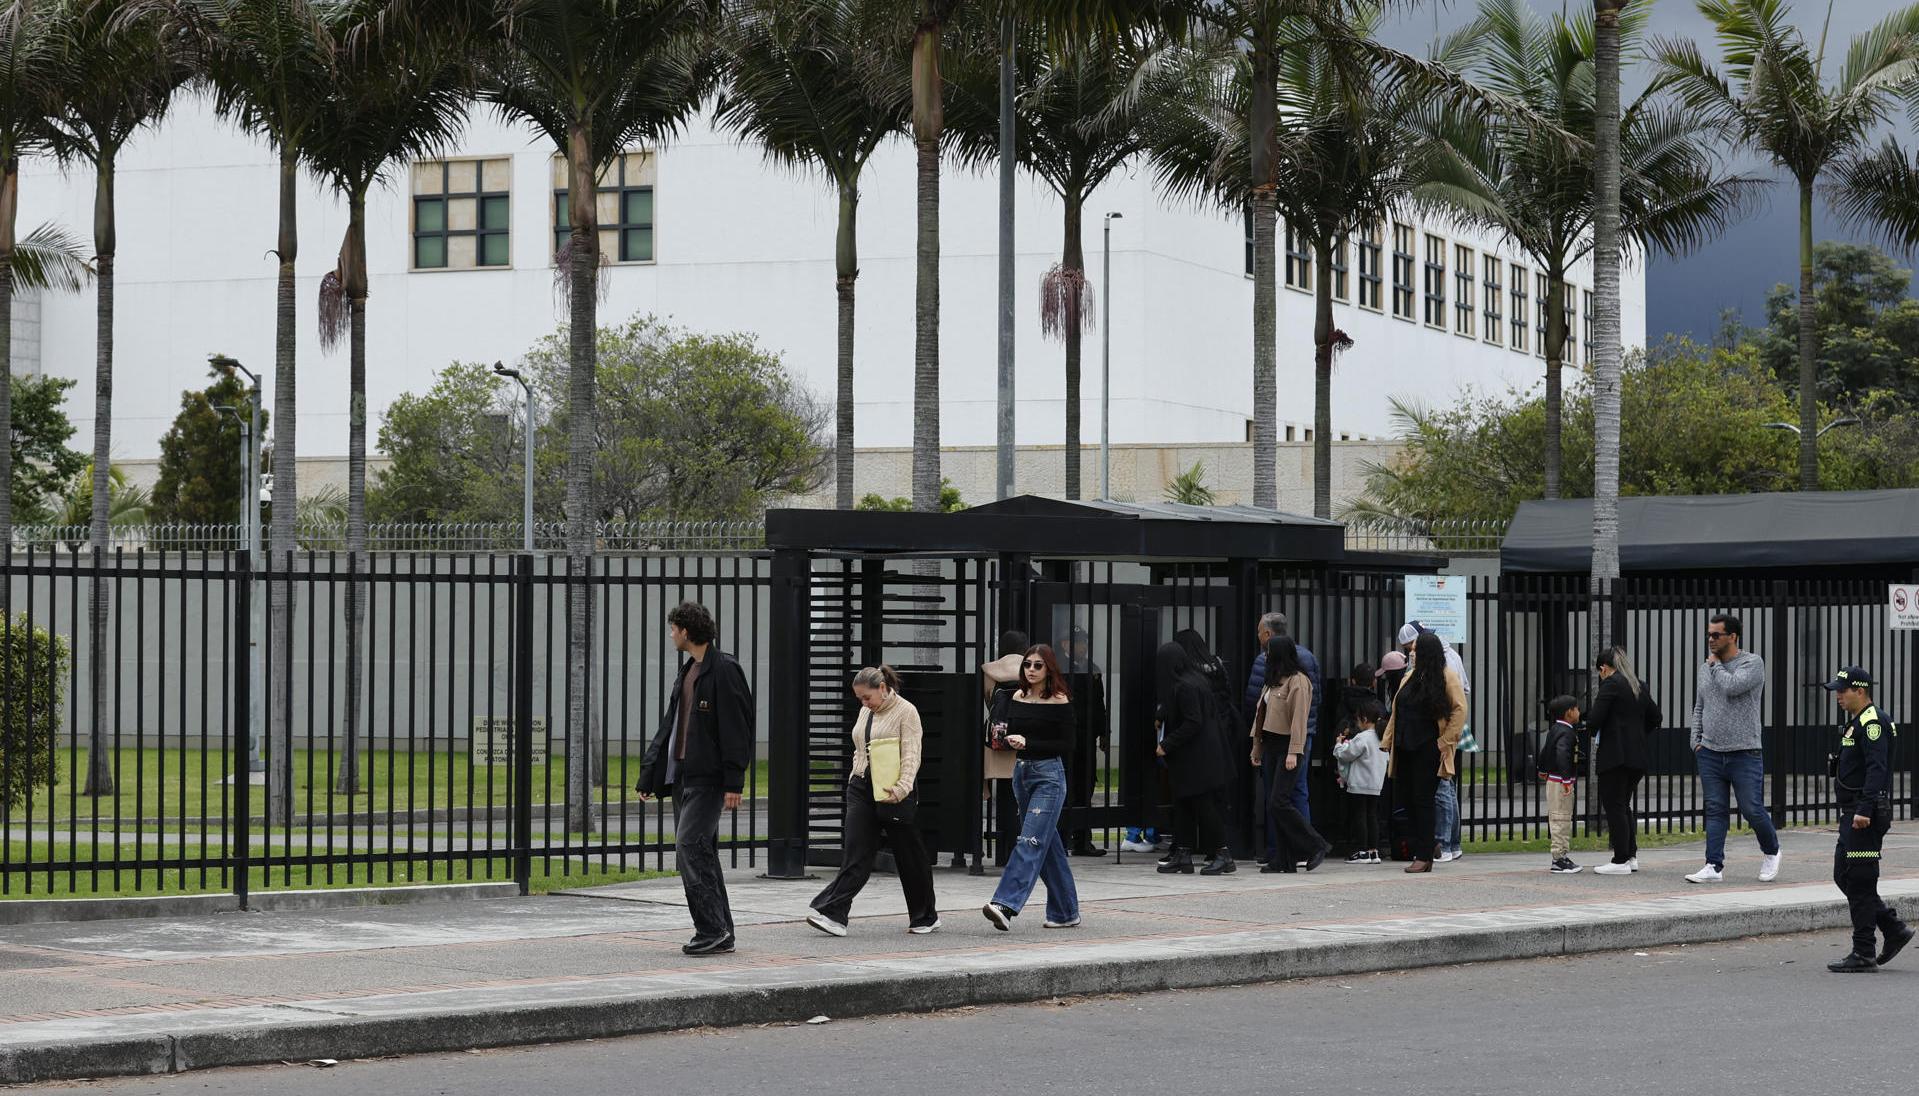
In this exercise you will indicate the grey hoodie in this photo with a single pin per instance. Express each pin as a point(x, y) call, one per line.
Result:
point(1728, 710)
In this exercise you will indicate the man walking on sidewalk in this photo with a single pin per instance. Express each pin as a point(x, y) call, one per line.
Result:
point(1728, 743)
point(1862, 775)
point(699, 757)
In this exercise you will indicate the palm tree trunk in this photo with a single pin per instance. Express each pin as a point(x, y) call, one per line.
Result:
point(286, 500)
point(1073, 263)
point(1606, 333)
point(347, 780)
point(1007, 457)
point(1323, 381)
point(1263, 122)
point(1808, 349)
point(928, 121)
point(581, 511)
point(9, 214)
point(99, 748)
point(1555, 378)
point(847, 273)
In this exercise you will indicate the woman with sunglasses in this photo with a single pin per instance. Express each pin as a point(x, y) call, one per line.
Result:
point(1040, 730)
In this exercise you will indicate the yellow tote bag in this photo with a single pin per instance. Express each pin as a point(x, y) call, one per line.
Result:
point(882, 761)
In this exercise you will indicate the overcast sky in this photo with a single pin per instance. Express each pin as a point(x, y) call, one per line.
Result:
point(1686, 296)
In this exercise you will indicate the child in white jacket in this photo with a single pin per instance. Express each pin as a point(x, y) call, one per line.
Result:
point(1362, 772)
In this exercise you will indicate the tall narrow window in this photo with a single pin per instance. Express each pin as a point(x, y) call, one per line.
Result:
point(1371, 252)
point(461, 214)
point(1246, 219)
point(1495, 302)
point(1299, 260)
point(1521, 285)
point(1435, 282)
point(1589, 326)
point(623, 207)
point(1342, 286)
point(1464, 306)
point(1403, 271)
point(1540, 312)
point(1572, 326)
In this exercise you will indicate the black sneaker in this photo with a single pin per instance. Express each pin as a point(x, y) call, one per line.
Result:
point(719, 946)
point(1565, 866)
point(1896, 942)
point(999, 915)
point(1853, 963)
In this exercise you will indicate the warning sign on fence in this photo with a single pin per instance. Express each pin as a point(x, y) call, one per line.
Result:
point(1903, 610)
point(492, 742)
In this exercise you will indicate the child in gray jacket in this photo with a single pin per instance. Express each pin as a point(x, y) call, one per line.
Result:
point(1362, 772)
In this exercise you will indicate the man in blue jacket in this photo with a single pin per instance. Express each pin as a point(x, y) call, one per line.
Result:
point(1270, 625)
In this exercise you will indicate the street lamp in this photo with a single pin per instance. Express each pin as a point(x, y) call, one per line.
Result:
point(250, 533)
point(526, 506)
point(1106, 366)
point(1823, 431)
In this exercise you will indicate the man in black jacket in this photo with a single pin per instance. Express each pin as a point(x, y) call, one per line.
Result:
point(1863, 777)
point(699, 757)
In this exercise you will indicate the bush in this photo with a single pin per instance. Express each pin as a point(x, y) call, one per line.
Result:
point(33, 672)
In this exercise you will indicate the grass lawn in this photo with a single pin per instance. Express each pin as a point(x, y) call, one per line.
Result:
point(168, 784)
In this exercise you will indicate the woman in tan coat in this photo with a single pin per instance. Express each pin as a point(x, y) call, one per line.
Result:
point(1421, 737)
point(1279, 739)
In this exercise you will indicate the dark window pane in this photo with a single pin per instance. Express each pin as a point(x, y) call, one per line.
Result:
point(429, 215)
point(636, 245)
point(493, 249)
point(429, 252)
point(637, 207)
point(493, 213)
point(561, 213)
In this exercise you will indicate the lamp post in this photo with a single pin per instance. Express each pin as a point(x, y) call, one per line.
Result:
point(250, 535)
point(1849, 420)
point(1106, 365)
point(526, 504)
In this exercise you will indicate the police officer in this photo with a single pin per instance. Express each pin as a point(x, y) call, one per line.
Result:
point(1863, 772)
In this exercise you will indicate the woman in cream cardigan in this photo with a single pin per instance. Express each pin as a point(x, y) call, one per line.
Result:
point(884, 714)
point(1429, 712)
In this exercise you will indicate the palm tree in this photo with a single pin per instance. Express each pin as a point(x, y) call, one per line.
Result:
point(814, 83)
point(270, 65)
point(1772, 96)
point(125, 61)
point(594, 76)
point(401, 94)
point(1675, 194)
point(126, 503)
point(1078, 122)
point(1608, 365)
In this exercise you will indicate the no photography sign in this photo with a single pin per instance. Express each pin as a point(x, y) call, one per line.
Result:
point(1903, 609)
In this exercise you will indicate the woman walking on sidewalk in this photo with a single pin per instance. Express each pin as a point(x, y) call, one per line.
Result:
point(1279, 739)
point(1040, 729)
point(1195, 764)
point(886, 757)
point(1624, 714)
point(1428, 713)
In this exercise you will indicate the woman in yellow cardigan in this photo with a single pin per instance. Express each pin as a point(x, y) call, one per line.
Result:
point(1429, 712)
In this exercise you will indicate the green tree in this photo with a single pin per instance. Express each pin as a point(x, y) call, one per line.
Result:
point(34, 667)
point(453, 454)
point(199, 480)
point(126, 505)
point(950, 501)
point(1772, 96)
point(1189, 487)
point(1868, 327)
point(41, 462)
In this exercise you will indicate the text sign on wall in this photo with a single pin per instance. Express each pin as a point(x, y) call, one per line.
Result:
point(492, 742)
point(1438, 602)
point(1903, 609)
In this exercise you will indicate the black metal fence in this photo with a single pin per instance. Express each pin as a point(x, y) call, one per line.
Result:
point(447, 758)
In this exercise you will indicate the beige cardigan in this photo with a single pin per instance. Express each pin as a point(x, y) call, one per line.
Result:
point(1283, 708)
point(895, 719)
point(1449, 730)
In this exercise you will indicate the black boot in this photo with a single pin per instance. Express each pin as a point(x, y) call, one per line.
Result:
point(1896, 941)
point(1220, 864)
point(1853, 963)
point(1180, 863)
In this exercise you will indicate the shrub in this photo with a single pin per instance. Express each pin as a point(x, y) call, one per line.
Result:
point(33, 670)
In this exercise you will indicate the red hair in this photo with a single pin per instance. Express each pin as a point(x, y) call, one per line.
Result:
point(1055, 683)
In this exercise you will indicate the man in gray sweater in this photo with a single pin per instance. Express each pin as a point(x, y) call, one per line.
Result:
point(1727, 730)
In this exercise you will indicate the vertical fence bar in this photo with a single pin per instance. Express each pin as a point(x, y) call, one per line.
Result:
point(241, 813)
point(523, 723)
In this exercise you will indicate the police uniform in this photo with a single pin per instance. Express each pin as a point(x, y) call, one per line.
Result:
point(1863, 781)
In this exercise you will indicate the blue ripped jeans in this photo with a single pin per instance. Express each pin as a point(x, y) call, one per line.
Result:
point(1039, 787)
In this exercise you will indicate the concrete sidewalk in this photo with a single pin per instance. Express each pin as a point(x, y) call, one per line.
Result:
point(98, 999)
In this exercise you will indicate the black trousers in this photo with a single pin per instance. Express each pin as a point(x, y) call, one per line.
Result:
point(1616, 788)
point(1197, 822)
point(1415, 783)
point(1298, 840)
point(1855, 868)
point(861, 840)
point(696, 826)
point(1366, 808)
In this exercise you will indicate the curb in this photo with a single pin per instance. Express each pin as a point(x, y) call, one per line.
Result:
point(35, 911)
point(567, 1012)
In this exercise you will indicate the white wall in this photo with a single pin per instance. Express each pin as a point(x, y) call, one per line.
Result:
point(740, 246)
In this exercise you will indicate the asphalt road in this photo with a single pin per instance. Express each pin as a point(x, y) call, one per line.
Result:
point(1732, 1019)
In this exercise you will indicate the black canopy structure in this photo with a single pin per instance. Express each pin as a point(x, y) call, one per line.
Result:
point(1720, 533)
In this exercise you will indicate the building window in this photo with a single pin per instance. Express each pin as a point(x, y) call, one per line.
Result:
point(1540, 312)
point(1403, 271)
point(1571, 357)
point(1495, 322)
point(1520, 283)
point(623, 208)
point(1463, 303)
point(1246, 218)
point(1342, 290)
point(461, 214)
point(1435, 282)
point(1299, 260)
point(1371, 252)
point(1589, 326)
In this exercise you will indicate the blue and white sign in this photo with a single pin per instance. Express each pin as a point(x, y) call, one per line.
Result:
point(1439, 602)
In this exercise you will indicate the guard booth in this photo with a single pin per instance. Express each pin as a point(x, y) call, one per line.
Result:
point(1103, 583)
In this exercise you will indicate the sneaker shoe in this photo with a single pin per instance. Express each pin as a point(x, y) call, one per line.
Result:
point(1707, 874)
point(1361, 857)
point(1136, 846)
point(1633, 863)
point(1769, 868)
point(1565, 866)
point(825, 924)
point(720, 946)
point(1374, 858)
point(1073, 924)
point(922, 930)
point(1446, 858)
point(1853, 963)
point(1610, 868)
point(1000, 916)
point(1895, 943)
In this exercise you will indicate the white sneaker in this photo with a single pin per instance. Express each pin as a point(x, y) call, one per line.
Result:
point(1707, 874)
point(922, 930)
point(1610, 868)
point(1073, 924)
point(1137, 846)
point(1447, 857)
point(1769, 868)
point(825, 924)
point(1633, 863)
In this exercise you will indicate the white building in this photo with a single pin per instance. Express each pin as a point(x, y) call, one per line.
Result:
point(716, 239)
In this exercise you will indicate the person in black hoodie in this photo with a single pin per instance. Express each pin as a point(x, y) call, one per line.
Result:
point(1623, 716)
point(1195, 763)
point(1219, 682)
point(699, 757)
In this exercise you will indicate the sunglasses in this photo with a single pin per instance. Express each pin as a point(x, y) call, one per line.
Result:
point(1717, 635)
point(1032, 664)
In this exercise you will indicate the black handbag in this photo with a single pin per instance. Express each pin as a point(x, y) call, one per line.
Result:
point(891, 814)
